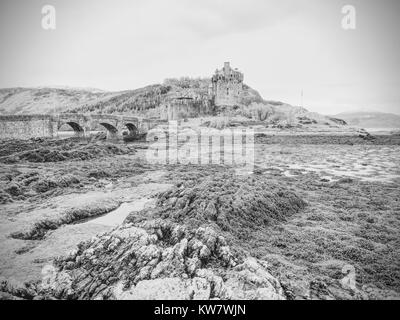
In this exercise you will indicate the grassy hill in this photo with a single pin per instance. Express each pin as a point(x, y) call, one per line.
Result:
point(146, 101)
point(150, 102)
point(46, 100)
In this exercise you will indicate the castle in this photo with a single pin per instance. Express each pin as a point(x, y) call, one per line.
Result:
point(226, 86)
point(225, 90)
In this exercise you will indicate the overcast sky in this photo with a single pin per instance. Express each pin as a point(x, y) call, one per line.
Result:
point(282, 46)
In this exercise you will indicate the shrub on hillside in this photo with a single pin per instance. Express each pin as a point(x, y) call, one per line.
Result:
point(256, 111)
point(219, 123)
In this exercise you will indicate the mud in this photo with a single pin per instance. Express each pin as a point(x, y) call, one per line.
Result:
point(363, 138)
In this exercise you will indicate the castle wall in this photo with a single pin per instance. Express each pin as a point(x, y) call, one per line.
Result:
point(179, 109)
point(227, 86)
point(227, 93)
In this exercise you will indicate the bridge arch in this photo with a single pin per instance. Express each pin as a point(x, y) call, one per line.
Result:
point(112, 131)
point(132, 128)
point(78, 129)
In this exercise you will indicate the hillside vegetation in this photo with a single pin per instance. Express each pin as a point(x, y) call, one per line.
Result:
point(146, 101)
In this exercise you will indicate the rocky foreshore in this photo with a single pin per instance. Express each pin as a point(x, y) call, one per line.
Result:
point(281, 232)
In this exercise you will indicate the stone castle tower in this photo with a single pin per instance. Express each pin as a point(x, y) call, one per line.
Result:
point(226, 86)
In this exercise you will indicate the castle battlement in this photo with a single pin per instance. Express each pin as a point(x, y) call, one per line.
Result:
point(227, 74)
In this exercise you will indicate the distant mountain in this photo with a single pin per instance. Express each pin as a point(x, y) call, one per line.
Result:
point(46, 100)
point(151, 101)
point(371, 119)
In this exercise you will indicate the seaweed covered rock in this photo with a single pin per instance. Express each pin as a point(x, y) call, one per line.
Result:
point(236, 204)
point(158, 260)
point(47, 150)
point(36, 230)
point(13, 189)
point(29, 184)
point(247, 281)
point(5, 197)
point(47, 184)
point(10, 191)
point(84, 152)
point(181, 248)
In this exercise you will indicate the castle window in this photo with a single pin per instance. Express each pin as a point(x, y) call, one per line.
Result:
point(227, 91)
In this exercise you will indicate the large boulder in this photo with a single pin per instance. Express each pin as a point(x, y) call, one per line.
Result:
point(160, 260)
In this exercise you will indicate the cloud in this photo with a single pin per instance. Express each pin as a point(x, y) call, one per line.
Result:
point(283, 46)
point(212, 18)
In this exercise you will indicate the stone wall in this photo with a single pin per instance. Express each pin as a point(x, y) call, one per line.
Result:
point(182, 108)
point(227, 86)
point(26, 126)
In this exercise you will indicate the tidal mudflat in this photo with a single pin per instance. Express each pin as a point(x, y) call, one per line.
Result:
point(92, 219)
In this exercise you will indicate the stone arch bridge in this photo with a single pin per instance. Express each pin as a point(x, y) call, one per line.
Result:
point(34, 126)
